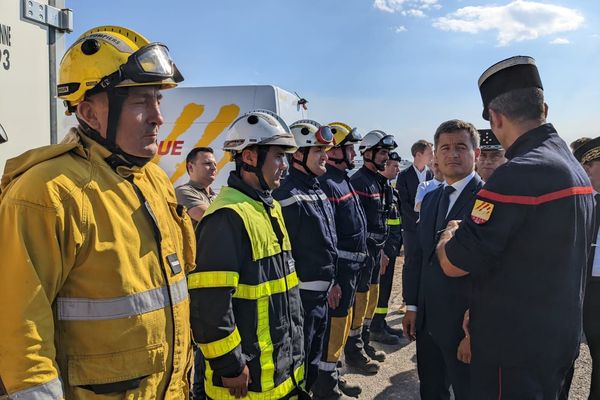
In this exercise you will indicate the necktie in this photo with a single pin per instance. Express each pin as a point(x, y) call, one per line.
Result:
point(443, 208)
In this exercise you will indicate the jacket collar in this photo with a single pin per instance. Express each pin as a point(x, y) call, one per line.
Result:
point(336, 172)
point(307, 181)
point(235, 182)
point(529, 139)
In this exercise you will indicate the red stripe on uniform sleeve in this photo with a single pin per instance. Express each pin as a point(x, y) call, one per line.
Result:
point(535, 200)
point(340, 199)
point(371, 195)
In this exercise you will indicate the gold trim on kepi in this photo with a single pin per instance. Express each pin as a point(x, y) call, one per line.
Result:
point(514, 73)
point(588, 151)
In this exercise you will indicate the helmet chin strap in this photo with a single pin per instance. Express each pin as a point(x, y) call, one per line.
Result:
point(344, 159)
point(379, 167)
point(116, 98)
point(303, 163)
point(262, 156)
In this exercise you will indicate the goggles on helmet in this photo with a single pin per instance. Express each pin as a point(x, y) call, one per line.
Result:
point(352, 137)
point(324, 135)
point(387, 142)
point(151, 63)
point(395, 157)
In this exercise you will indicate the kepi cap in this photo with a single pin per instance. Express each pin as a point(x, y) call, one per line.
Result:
point(518, 72)
point(588, 150)
point(488, 141)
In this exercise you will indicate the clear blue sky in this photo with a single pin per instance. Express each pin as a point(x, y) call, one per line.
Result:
point(403, 66)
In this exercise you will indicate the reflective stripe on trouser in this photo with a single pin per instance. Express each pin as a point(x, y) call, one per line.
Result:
point(385, 288)
point(381, 310)
point(85, 309)
point(277, 392)
point(51, 390)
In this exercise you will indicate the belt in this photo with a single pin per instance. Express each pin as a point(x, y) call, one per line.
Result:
point(315, 286)
point(351, 256)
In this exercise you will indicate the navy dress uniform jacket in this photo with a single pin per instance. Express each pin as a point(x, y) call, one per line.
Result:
point(526, 247)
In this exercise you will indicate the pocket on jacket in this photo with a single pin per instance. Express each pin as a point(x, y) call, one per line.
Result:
point(116, 367)
point(183, 220)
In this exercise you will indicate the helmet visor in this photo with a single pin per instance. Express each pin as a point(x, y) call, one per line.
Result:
point(352, 137)
point(151, 63)
point(388, 142)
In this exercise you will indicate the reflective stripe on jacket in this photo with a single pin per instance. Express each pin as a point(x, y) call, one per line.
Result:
point(350, 221)
point(311, 225)
point(245, 302)
point(94, 273)
point(369, 186)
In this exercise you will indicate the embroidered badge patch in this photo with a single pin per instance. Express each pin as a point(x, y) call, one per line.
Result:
point(482, 211)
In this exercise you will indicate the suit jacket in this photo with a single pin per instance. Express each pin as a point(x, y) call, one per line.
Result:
point(406, 184)
point(442, 301)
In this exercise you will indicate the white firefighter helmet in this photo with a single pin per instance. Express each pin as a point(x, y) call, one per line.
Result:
point(259, 128)
point(309, 133)
point(377, 139)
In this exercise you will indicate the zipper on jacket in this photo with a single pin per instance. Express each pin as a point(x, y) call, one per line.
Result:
point(158, 240)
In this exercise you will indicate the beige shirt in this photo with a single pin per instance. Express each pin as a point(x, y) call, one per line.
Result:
point(192, 195)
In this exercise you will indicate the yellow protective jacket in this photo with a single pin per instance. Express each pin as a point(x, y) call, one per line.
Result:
point(92, 280)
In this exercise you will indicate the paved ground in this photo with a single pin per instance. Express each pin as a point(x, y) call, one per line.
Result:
point(398, 377)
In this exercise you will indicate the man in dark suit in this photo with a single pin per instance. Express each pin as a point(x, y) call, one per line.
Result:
point(442, 301)
point(587, 152)
point(406, 184)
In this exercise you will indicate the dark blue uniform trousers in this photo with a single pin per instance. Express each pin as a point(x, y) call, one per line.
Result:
point(315, 326)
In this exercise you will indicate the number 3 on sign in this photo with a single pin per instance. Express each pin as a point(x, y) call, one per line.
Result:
point(5, 59)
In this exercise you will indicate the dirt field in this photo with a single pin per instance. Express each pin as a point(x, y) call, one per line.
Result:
point(398, 377)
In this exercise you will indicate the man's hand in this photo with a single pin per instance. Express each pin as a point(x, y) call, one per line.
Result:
point(449, 269)
point(465, 324)
point(448, 233)
point(464, 350)
point(335, 294)
point(383, 263)
point(238, 386)
point(409, 325)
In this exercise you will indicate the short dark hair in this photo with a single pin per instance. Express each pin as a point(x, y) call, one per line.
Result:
point(520, 104)
point(419, 147)
point(455, 125)
point(192, 154)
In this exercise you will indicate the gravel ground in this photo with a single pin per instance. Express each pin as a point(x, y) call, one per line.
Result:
point(398, 378)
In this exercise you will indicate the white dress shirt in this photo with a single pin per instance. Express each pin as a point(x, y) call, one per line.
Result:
point(421, 175)
point(459, 186)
